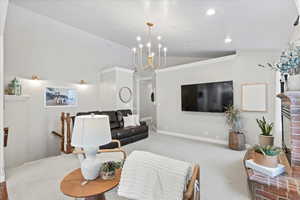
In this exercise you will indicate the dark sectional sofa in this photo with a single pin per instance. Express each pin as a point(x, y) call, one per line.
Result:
point(118, 131)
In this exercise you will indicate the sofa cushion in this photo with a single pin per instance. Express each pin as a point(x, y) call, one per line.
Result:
point(114, 125)
point(121, 114)
point(121, 133)
point(140, 129)
point(133, 138)
point(129, 121)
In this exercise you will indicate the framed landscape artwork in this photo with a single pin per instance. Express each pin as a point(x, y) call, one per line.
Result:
point(60, 97)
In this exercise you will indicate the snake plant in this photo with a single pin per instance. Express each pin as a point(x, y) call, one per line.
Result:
point(265, 127)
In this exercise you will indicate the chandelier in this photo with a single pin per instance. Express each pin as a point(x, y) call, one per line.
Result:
point(152, 50)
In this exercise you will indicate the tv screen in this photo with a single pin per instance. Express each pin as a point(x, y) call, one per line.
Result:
point(207, 97)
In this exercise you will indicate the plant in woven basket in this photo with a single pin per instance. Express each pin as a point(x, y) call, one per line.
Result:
point(108, 169)
point(266, 155)
point(110, 166)
point(233, 118)
point(266, 128)
point(267, 150)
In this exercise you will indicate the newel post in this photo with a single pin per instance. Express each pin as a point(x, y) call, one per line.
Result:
point(69, 147)
point(62, 145)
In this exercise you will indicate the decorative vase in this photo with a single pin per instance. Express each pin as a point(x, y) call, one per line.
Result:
point(108, 175)
point(294, 82)
point(266, 140)
point(264, 160)
point(15, 87)
point(237, 141)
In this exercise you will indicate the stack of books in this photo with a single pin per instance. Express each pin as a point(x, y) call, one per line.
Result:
point(272, 172)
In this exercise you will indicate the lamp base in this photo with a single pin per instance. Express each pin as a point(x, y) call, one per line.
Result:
point(90, 168)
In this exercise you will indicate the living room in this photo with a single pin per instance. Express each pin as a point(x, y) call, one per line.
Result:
point(179, 82)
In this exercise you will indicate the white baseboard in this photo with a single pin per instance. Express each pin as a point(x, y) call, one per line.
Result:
point(197, 138)
point(192, 137)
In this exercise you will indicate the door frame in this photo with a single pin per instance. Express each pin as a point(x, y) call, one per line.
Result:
point(138, 82)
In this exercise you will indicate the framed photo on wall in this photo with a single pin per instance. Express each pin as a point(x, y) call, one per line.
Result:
point(254, 97)
point(60, 97)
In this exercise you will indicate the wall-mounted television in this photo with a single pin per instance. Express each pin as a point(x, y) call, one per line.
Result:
point(207, 97)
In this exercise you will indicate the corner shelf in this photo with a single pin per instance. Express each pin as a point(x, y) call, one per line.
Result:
point(12, 98)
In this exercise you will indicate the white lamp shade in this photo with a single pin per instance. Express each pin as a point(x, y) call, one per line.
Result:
point(91, 131)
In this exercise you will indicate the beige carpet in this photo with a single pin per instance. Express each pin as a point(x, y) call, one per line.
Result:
point(222, 173)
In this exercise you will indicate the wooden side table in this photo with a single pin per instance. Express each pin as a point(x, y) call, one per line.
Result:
point(93, 190)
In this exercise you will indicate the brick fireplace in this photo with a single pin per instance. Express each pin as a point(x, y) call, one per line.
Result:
point(286, 186)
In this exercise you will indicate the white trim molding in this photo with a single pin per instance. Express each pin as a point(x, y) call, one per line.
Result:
point(148, 78)
point(196, 138)
point(137, 83)
point(203, 62)
point(10, 98)
point(116, 68)
point(192, 137)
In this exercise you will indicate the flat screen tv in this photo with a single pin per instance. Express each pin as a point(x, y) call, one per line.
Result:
point(207, 97)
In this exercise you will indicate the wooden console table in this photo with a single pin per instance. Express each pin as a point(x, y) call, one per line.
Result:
point(263, 187)
point(93, 190)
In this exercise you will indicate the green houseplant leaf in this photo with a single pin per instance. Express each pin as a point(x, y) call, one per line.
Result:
point(266, 128)
point(267, 150)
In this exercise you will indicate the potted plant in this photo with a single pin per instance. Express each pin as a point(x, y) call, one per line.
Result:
point(108, 169)
point(266, 155)
point(237, 139)
point(289, 66)
point(266, 137)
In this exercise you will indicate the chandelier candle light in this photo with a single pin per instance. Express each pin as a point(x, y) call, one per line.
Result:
point(152, 52)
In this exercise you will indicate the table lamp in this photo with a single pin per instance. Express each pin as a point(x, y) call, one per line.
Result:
point(90, 132)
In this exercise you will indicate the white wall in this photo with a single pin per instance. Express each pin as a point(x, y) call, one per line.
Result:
point(40, 121)
point(35, 44)
point(241, 69)
point(61, 56)
point(108, 90)
point(17, 150)
point(111, 81)
point(180, 60)
point(3, 11)
point(124, 79)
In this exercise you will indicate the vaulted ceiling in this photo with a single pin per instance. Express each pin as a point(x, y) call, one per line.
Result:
point(184, 25)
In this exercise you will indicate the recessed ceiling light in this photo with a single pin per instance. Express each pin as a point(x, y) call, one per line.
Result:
point(228, 40)
point(138, 38)
point(211, 12)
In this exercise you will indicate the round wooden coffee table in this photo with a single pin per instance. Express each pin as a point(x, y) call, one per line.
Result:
point(93, 190)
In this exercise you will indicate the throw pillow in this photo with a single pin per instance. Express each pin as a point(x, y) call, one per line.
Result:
point(136, 120)
point(129, 121)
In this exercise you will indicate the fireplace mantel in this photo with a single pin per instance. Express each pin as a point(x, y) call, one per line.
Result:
point(287, 185)
point(292, 100)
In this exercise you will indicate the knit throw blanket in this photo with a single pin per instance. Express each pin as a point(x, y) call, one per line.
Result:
point(147, 176)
